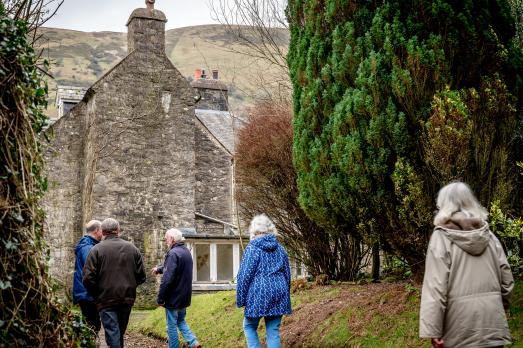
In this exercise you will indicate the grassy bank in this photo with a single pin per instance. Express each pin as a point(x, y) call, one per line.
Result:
point(343, 315)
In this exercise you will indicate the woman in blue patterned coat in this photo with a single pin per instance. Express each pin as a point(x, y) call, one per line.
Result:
point(264, 282)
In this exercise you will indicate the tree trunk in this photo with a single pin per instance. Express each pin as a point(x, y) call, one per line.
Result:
point(376, 262)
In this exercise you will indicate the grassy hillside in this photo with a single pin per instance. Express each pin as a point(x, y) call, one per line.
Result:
point(80, 58)
point(374, 315)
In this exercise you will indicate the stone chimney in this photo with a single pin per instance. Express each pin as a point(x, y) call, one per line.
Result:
point(146, 31)
point(214, 94)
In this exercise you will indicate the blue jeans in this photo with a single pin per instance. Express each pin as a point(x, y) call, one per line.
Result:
point(272, 329)
point(115, 321)
point(176, 319)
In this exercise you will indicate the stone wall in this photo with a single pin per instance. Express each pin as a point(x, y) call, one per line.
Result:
point(213, 94)
point(213, 99)
point(63, 201)
point(213, 180)
point(143, 172)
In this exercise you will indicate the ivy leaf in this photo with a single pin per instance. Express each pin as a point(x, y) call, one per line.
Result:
point(9, 245)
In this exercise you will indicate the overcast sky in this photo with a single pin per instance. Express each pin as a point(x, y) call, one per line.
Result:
point(111, 15)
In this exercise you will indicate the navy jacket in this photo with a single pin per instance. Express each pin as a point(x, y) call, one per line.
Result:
point(264, 279)
point(176, 286)
point(81, 251)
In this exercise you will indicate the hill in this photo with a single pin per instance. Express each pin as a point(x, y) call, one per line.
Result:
point(80, 58)
point(342, 315)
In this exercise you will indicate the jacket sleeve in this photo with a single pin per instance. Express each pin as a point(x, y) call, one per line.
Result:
point(169, 270)
point(246, 275)
point(82, 256)
point(140, 270)
point(435, 286)
point(506, 278)
point(90, 274)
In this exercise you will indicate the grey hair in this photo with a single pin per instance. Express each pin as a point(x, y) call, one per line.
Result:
point(458, 197)
point(92, 226)
point(260, 225)
point(175, 234)
point(110, 226)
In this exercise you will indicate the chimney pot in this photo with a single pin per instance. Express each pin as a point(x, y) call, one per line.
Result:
point(215, 74)
point(197, 74)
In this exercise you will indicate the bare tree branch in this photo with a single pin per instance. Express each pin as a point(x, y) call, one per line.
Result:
point(34, 12)
point(259, 25)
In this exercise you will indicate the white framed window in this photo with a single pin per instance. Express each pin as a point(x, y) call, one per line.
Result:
point(215, 261)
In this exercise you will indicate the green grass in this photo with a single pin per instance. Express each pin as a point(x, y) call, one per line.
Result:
point(217, 322)
point(515, 320)
point(213, 318)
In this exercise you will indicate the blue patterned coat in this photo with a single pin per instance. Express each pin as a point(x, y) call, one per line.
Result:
point(264, 279)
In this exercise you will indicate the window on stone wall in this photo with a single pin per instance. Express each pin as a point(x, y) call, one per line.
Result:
point(225, 261)
point(68, 106)
point(203, 263)
point(298, 269)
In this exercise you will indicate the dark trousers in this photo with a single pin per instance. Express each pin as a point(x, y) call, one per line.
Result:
point(91, 315)
point(115, 320)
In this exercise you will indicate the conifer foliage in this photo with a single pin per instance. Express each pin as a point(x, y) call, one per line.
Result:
point(393, 99)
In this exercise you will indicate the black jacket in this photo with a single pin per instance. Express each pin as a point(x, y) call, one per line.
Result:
point(176, 286)
point(112, 271)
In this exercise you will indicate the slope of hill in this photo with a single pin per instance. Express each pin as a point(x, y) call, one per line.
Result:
point(80, 58)
point(342, 315)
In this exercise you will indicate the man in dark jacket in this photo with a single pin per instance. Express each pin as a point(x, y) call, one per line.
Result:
point(176, 288)
point(93, 234)
point(112, 272)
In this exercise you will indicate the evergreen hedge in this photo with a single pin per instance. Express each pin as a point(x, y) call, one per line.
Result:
point(394, 99)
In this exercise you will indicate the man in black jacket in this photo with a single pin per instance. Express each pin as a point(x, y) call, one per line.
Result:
point(176, 288)
point(112, 272)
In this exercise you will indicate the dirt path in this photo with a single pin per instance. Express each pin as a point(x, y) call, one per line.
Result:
point(134, 339)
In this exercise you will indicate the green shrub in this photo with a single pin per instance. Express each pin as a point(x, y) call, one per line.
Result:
point(510, 233)
point(394, 99)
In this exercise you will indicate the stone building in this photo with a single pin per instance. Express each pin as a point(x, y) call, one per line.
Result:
point(147, 148)
point(67, 97)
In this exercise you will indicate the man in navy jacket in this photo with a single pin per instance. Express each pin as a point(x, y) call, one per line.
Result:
point(176, 288)
point(93, 234)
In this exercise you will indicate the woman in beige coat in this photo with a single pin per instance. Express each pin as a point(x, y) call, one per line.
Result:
point(467, 277)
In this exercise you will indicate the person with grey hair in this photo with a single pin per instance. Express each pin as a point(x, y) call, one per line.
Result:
point(467, 277)
point(264, 281)
point(93, 235)
point(176, 288)
point(112, 272)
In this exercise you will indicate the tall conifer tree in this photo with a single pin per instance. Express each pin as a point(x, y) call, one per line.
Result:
point(393, 99)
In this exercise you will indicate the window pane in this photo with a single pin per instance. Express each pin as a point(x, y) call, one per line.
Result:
point(225, 268)
point(203, 269)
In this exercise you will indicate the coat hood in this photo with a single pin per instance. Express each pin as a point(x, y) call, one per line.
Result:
point(266, 243)
point(86, 240)
point(472, 235)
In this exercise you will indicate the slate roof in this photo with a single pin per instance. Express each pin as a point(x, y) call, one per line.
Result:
point(220, 125)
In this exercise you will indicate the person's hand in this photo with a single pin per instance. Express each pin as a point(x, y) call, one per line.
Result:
point(154, 271)
point(437, 342)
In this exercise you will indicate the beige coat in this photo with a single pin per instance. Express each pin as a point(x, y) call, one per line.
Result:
point(467, 280)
